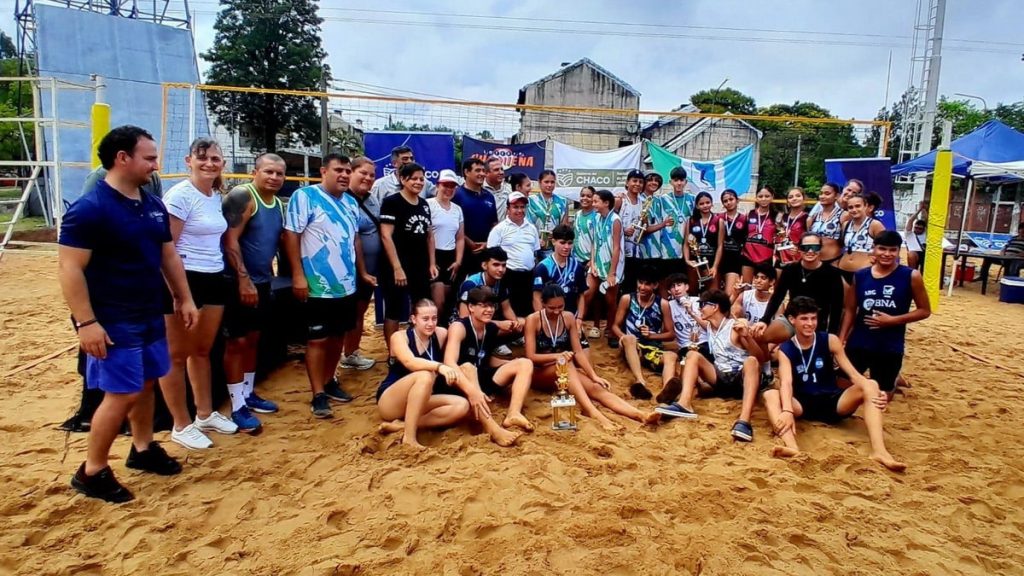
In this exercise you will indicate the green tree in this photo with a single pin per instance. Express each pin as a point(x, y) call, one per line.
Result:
point(1011, 114)
point(817, 142)
point(15, 101)
point(724, 100)
point(267, 44)
point(964, 115)
point(7, 47)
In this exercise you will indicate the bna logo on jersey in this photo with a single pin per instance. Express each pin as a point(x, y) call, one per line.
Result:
point(887, 290)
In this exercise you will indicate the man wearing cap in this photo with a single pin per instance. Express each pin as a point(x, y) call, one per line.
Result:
point(389, 184)
point(479, 211)
point(520, 240)
point(494, 182)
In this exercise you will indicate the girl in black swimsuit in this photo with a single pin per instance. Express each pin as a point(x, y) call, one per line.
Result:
point(406, 392)
point(551, 334)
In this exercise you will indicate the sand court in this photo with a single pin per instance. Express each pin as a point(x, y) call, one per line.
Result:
point(314, 497)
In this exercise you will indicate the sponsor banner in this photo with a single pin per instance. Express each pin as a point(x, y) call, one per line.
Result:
point(605, 169)
point(435, 151)
point(876, 176)
point(524, 158)
point(732, 172)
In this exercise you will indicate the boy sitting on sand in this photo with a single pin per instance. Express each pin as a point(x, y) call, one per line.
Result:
point(808, 386)
point(734, 372)
point(643, 327)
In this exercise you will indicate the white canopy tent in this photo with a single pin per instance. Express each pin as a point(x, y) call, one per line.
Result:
point(1013, 170)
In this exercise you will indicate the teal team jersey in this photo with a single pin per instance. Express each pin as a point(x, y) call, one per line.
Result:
point(603, 229)
point(583, 226)
point(544, 214)
point(327, 227)
point(672, 237)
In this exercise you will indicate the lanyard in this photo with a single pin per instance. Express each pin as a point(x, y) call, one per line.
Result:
point(643, 311)
point(730, 223)
point(558, 325)
point(760, 223)
point(704, 229)
point(548, 208)
point(429, 348)
point(563, 271)
point(478, 341)
point(806, 363)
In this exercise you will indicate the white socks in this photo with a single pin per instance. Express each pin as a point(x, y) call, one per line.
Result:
point(235, 391)
point(248, 381)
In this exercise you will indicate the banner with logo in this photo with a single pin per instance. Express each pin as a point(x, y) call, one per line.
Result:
point(435, 151)
point(874, 173)
point(604, 169)
point(714, 177)
point(525, 158)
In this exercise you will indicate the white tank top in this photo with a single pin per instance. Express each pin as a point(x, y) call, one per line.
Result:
point(859, 239)
point(630, 214)
point(728, 357)
point(684, 324)
point(753, 308)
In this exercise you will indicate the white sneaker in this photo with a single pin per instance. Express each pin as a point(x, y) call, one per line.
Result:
point(502, 351)
point(216, 423)
point(357, 361)
point(191, 437)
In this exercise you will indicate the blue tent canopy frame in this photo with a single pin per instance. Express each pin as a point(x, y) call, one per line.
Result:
point(993, 141)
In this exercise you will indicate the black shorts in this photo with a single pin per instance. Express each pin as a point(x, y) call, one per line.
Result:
point(444, 259)
point(240, 320)
point(884, 366)
point(485, 375)
point(364, 291)
point(439, 381)
point(330, 317)
point(748, 263)
point(207, 288)
point(731, 263)
point(629, 270)
point(398, 300)
point(670, 266)
point(847, 275)
point(821, 407)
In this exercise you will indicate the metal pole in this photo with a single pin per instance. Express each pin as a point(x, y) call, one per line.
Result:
point(57, 198)
point(191, 114)
point(796, 173)
point(325, 126)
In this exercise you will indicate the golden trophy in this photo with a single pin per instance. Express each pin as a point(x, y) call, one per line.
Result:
point(699, 262)
point(563, 404)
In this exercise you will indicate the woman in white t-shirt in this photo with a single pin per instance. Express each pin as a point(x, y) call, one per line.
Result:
point(447, 228)
point(197, 224)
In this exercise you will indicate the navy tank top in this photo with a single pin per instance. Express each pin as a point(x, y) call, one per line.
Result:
point(638, 316)
point(433, 352)
point(891, 295)
point(260, 240)
point(474, 349)
point(555, 343)
point(812, 368)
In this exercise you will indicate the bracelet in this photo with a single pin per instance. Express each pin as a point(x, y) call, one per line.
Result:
point(86, 323)
point(788, 411)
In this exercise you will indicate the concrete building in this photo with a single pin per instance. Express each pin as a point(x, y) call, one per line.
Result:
point(582, 84)
point(703, 138)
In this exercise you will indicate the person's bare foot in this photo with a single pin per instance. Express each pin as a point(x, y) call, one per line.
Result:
point(518, 421)
point(391, 427)
point(784, 452)
point(886, 459)
point(503, 437)
point(606, 423)
point(413, 444)
point(650, 418)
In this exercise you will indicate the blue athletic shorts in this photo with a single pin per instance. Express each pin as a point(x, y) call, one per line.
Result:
point(139, 353)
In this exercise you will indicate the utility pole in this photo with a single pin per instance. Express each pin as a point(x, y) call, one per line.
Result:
point(796, 173)
point(325, 126)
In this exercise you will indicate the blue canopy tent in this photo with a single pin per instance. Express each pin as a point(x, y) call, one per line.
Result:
point(992, 142)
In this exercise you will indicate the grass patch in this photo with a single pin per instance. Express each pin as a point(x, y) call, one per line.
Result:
point(25, 223)
point(10, 192)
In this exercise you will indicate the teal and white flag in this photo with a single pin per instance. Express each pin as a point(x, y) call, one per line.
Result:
point(715, 176)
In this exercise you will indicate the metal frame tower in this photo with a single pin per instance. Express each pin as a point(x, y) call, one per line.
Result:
point(919, 108)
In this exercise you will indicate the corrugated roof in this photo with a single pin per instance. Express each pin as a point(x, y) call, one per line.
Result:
point(593, 65)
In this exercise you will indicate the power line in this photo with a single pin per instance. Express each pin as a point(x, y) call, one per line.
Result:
point(660, 26)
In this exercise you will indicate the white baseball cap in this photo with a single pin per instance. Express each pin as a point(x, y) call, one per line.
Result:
point(516, 196)
point(447, 176)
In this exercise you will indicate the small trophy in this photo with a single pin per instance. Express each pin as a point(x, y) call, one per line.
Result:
point(563, 404)
point(703, 268)
point(545, 237)
point(784, 245)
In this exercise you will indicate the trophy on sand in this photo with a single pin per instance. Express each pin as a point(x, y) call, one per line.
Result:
point(700, 262)
point(563, 405)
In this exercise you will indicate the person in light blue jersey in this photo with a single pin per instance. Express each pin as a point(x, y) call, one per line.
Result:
point(325, 253)
point(545, 211)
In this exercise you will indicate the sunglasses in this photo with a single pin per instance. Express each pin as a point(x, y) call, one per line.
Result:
point(811, 247)
point(703, 303)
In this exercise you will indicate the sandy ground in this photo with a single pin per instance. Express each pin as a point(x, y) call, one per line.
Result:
point(313, 497)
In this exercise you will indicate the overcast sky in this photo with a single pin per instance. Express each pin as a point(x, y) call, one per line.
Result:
point(833, 53)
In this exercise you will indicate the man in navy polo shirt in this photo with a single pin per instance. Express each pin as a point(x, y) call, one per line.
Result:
point(479, 212)
point(115, 254)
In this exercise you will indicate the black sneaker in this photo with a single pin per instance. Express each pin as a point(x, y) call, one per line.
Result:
point(640, 392)
point(153, 459)
point(334, 391)
point(101, 485)
point(321, 406)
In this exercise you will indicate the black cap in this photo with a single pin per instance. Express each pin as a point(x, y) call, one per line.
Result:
point(635, 174)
